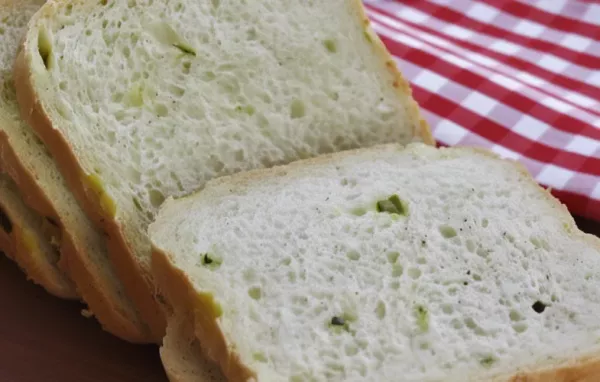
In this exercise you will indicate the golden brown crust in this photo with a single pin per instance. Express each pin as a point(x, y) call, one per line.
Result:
point(34, 197)
point(108, 313)
point(21, 247)
point(582, 370)
point(403, 89)
point(32, 112)
point(140, 287)
point(182, 296)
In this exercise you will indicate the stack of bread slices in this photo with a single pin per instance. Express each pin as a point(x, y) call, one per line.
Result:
point(251, 186)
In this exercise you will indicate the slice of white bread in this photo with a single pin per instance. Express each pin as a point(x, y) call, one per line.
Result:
point(140, 100)
point(24, 157)
point(25, 238)
point(384, 264)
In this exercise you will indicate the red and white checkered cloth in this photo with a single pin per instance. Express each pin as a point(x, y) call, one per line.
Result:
point(521, 78)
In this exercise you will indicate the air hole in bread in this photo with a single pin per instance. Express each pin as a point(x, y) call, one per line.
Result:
point(5, 222)
point(156, 198)
point(539, 307)
point(353, 255)
point(51, 221)
point(45, 48)
point(414, 273)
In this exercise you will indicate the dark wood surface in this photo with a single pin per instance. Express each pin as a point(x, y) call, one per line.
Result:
point(46, 339)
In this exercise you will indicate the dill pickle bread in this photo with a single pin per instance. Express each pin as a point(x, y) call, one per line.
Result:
point(83, 253)
point(26, 238)
point(384, 264)
point(141, 100)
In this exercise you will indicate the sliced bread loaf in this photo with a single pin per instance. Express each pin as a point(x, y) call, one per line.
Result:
point(24, 157)
point(25, 238)
point(384, 264)
point(142, 100)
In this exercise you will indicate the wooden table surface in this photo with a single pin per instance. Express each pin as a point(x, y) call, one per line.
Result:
point(46, 339)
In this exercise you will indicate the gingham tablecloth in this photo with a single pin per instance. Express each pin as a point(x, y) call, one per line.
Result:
point(521, 78)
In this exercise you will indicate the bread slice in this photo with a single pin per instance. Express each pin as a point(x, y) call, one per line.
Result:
point(25, 238)
point(429, 264)
point(141, 100)
point(24, 157)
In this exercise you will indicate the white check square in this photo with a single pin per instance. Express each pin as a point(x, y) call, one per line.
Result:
point(531, 80)
point(505, 47)
point(583, 145)
point(592, 15)
point(575, 42)
point(556, 104)
point(554, 176)
point(553, 63)
point(505, 153)
point(449, 132)
point(594, 78)
point(479, 103)
point(482, 12)
point(458, 32)
point(529, 28)
point(430, 81)
point(581, 99)
point(596, 192)
point(413, 15)
point(506, 82)
point(530, 127)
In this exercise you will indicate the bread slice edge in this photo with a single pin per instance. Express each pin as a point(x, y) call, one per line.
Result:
point(138, 288)
point(28, 248)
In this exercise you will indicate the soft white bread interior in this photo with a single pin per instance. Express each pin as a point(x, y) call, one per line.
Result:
point(83, 252)
point(26, 239)
point(429, 264)
point(140, 100)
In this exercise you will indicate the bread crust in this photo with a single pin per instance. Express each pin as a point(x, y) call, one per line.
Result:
point(422, 129)
point(181, 295)
point(29, 257)
point(33, 113)
point(582, 370)
point(136, 279)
